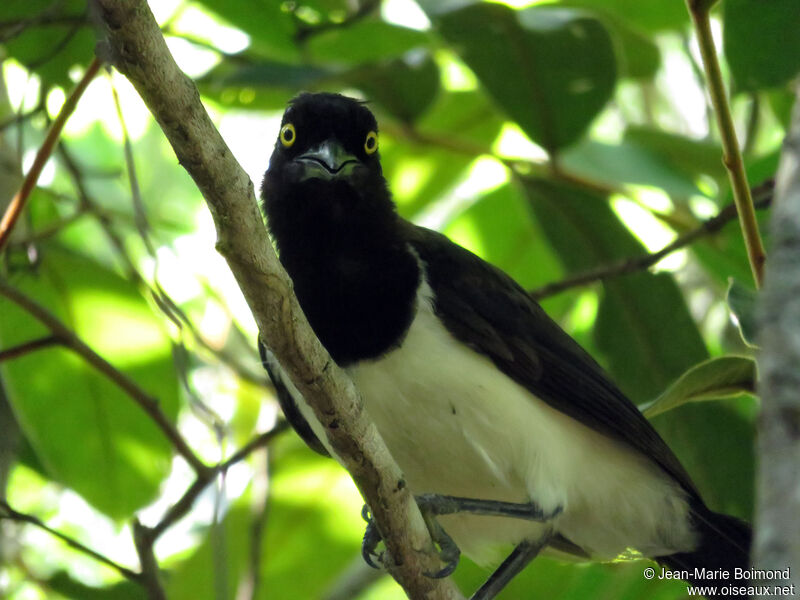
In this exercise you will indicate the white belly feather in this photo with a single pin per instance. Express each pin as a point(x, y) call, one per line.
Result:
point(456, 425)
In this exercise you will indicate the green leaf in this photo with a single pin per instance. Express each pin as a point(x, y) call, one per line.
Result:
point(269, 26)
point(500, 229)
point(656, 15)
point(420, 174)
point(364, 42)
point(715, 442)
point(643, 326)
point(405, 87)
point(62, 583)
point(713, 379)
point(689, 156)
point(742, 301)
point(761, 42)
point(87, 432)
point(638, 55)
point(626, 163)
point(50, 49)
point(552, 70)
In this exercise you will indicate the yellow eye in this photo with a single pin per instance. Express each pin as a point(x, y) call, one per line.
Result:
point(288, 135)
point(371, 143)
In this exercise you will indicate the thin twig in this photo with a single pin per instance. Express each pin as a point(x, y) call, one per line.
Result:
point(70, 340)
point(6, 512)
point(14, 209)
point(304, 32)
point(640, 263)
point(140, 216)
point(699, 10)
point(20, 117)
point(28, 347)
point(143, 541)
point(178, 510)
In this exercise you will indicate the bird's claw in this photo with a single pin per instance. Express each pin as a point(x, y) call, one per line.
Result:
point(449, 552)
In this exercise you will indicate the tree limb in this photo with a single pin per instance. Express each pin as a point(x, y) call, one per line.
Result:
point(777, 541)
point(137, 48)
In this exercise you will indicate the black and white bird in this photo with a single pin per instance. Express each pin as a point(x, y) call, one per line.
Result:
point(477, 393)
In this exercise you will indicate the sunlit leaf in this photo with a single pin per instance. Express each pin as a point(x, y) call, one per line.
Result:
point(550, 69)
point(716, 378)
point(405, 87)
point(656, 15)
point(365, 42)
point(85, 430)
point(644, 355)
point(50, 39)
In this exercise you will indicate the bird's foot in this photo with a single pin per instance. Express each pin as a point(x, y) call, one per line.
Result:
point(434, 505)
point(449, 553)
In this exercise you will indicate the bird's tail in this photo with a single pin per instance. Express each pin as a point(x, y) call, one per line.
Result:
point(724, 546)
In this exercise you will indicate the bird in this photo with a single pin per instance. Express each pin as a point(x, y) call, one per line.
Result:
point(503, 426)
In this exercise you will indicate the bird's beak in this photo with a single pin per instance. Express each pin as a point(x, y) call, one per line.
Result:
point(328, 160)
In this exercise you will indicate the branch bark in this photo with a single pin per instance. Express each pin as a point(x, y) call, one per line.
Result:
point(777, 542)
point(136, 47)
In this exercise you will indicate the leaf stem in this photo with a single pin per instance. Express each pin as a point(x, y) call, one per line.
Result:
point(699, 11)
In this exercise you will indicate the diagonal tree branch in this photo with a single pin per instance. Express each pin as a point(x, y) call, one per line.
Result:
point(69, 339)
point(763, 198)
point(137, 48)
point(14, 209)
point(6, 512)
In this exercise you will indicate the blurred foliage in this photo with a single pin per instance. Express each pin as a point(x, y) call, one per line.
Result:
point(549, 139)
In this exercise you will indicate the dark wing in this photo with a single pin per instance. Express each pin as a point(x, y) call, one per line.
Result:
point(287, 401)
point(486, 309)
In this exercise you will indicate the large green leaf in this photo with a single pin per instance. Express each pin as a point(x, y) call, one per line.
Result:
point(638, 55)
point(87, 432)
point(365, 41)
point(713, 379)
point(627, 162)
point(715, 443)
point(420, 173)
point(49, 46)
point(269, 25)
point(643, 326)
point(405, 87)
point(656, 15)
point(761, 42)
point(550, 69)
point(500, 229)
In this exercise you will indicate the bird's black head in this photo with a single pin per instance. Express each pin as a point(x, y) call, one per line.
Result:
point(324, 176)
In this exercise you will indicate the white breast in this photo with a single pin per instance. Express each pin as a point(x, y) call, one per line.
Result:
point(456, 425)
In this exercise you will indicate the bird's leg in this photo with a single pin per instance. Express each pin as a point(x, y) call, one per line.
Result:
point(434, 505)
point(519, 558)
